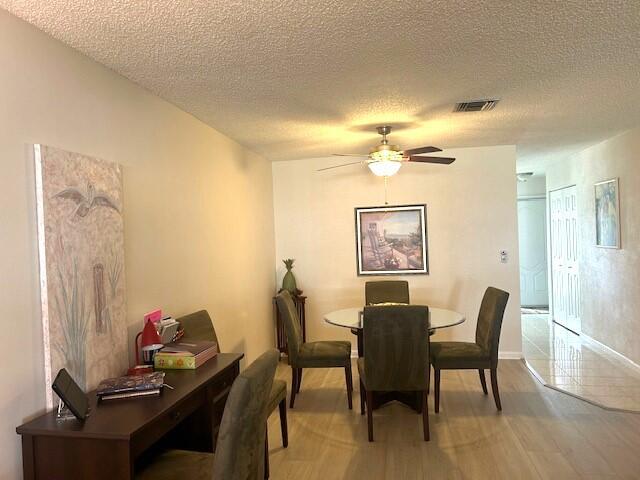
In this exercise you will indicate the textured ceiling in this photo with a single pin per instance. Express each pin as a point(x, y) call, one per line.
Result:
point(303, 78)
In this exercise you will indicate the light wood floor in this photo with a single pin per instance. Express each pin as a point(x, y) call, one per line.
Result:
point(540, 434)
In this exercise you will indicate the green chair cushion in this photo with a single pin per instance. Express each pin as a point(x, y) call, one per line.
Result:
point(174, 464)
point(458, 355)
point(381, 291)
point(278, 393)
point(334, 353)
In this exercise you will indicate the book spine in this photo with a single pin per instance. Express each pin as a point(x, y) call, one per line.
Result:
point(175, 362)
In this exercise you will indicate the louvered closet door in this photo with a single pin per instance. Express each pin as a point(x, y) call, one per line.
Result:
point(564, 257)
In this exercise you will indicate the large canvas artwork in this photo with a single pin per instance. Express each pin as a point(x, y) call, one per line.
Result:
point(392, 240)
point(81, 252)
point(607, 214)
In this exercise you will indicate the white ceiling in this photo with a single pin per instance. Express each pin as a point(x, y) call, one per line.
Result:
point(302, 78)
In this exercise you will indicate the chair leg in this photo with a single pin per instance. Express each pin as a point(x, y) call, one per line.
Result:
point(436, 385)
point(494, 387)
point(429, 382)
point(348, 378)
point(362, 394)
point(425, 415)
point(370, 415)
point(299, 380)
point(283, 422)
point(294, 385)
point(266, 453)
point(483, 381)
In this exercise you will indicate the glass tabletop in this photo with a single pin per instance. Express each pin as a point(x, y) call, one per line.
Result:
point(352, 318)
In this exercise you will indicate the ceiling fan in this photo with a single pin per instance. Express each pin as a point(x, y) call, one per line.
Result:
point(385, 160)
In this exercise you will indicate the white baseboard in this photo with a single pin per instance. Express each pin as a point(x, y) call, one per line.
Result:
point(628, 361)
point(510, 355)
point(501, 355)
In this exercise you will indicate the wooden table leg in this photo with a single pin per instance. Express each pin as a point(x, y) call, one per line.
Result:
point(28, 459)
point(358, 333)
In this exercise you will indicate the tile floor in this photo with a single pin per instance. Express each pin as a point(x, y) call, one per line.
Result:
point(575, 365)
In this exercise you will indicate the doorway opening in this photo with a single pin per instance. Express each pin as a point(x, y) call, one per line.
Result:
point(532, 239)
point(534, 267)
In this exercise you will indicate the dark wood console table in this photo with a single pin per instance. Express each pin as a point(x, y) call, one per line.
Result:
point(118, 433)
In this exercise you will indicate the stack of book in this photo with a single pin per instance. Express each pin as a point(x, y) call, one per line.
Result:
point(185, 355)
point(131, 386)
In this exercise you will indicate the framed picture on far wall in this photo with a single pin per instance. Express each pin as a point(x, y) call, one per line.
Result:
point(607, 203)
point(392, 240)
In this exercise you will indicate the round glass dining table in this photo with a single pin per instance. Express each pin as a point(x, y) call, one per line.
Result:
point(352, 318)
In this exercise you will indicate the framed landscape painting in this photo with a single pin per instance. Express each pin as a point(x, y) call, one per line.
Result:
point(607, 203)
point(392, 240)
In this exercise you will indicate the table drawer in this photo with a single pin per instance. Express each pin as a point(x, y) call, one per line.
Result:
point(172, 418)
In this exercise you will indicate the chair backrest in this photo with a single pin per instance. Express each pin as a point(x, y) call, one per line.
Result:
point(198, 327)
point(489, 324)
point(240, 447)
point(396, 347)
point(289, 317)
point(386, 291)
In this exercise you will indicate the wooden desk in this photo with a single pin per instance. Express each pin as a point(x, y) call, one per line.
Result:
point(118, 432)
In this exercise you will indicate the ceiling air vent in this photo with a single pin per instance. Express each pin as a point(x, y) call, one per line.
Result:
point(476, 106)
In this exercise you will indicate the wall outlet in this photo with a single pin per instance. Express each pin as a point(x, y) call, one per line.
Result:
point(504, 256)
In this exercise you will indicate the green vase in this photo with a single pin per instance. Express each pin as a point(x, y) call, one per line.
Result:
point(289, 281)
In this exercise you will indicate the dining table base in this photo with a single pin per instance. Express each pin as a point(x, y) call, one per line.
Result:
point(412, 400)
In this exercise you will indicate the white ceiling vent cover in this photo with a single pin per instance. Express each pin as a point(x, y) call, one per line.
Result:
point(476, 106)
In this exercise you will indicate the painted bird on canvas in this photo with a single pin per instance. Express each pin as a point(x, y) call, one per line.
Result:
point(86, 203)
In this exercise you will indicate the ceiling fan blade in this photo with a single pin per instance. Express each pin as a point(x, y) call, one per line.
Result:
point(337, 166)
point(419, 150)
point(442, 160)
point(363, 155)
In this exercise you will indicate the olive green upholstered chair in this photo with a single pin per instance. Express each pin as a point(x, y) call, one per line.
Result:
point(396, 343)
point(322, 354)
point(386, 291)
point(240, 447)
point(480, 355)
point(382, 291)
point(199, 327)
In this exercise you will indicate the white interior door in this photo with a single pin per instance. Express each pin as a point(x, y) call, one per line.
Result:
point(532, 234)
point(563, 208)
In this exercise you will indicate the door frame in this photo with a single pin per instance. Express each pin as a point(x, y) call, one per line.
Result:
point(547, 239)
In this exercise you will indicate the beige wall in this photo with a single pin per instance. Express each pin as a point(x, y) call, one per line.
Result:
point(472, 215)
point(198, 209)
point(609, 278)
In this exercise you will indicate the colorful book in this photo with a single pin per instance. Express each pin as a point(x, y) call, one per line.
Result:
point(132, 383)
point(174, 362)
point(185, 355)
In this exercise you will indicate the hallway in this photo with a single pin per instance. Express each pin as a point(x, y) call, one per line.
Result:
point(578, 366)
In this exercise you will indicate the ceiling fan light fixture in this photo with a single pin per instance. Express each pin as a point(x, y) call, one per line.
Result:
point(384, 168)
point(389, 154)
